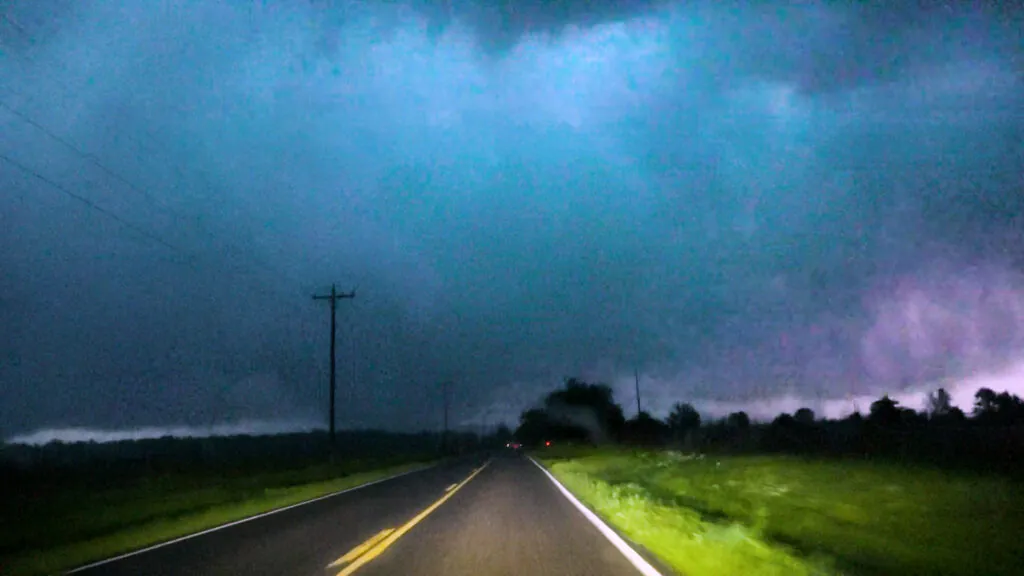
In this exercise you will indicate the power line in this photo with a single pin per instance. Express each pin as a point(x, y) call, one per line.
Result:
point(89, 157)
point(253, 261)
point(94, 160)
point(93, 206)
point(193, 258)
point(263, 284)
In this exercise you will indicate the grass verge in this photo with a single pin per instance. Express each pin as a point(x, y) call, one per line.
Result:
point(57, 534)
point(781, 515)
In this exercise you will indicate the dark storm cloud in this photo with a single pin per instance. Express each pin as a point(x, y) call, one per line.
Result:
point(500, 25)
point(744, 204)
point(818, 47)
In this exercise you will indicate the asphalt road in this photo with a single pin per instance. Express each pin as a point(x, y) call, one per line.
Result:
point(480, 517)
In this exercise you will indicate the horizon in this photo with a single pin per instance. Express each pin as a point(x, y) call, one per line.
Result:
point(961, 396)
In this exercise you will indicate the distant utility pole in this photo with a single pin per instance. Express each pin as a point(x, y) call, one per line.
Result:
point(636, 380)
point(333, 298)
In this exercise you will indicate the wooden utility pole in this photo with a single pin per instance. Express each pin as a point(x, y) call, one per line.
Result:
point(333, 298)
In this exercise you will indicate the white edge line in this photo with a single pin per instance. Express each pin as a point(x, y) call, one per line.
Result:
point(643, 566)
point(243, 520)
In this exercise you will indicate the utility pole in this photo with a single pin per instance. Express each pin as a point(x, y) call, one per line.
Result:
point(333, 298)
point(636, 380)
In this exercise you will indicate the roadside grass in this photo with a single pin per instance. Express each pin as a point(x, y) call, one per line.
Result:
point(785, 515)
point(55, 530)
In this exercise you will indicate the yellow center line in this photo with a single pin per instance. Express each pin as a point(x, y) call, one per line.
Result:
point(449, 489)
point(359, 550)
point(393, 537)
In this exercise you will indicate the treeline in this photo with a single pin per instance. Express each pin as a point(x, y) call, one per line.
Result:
point(991, 436)
point(226, 454)
point(37, 473)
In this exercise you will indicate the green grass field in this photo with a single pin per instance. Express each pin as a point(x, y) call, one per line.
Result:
point(70, 523)
point(788, 516)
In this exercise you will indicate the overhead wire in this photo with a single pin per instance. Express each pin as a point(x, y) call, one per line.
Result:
point(193, 258)
point(152, 200)
point(89, 157)
point(92, 205)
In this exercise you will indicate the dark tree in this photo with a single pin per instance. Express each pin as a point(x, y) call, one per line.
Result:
point(910, 417)
point(782, 434)
point(683, 417)
point(735, 434)
point(684, 425)
point(1001, 409)
point(587, 407)
point(956, 416)
point(783, 421)
point(533, 427)
point(579, 412)
point(885, 412)
point(952, 417)
point(1010, 407)
point(804, 417)
point(939, 403)
point(984, 402)
point(645, 430)
point(738, 421)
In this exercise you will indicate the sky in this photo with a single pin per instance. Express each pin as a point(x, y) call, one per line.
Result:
point(751, 207)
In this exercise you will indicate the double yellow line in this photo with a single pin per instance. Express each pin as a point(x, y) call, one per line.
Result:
point(376, 545)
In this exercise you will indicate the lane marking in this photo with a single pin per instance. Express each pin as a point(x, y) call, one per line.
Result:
point(394, 536)
point(359, 550)
point(634, 558)
point(244, 520)
point(449, 489)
